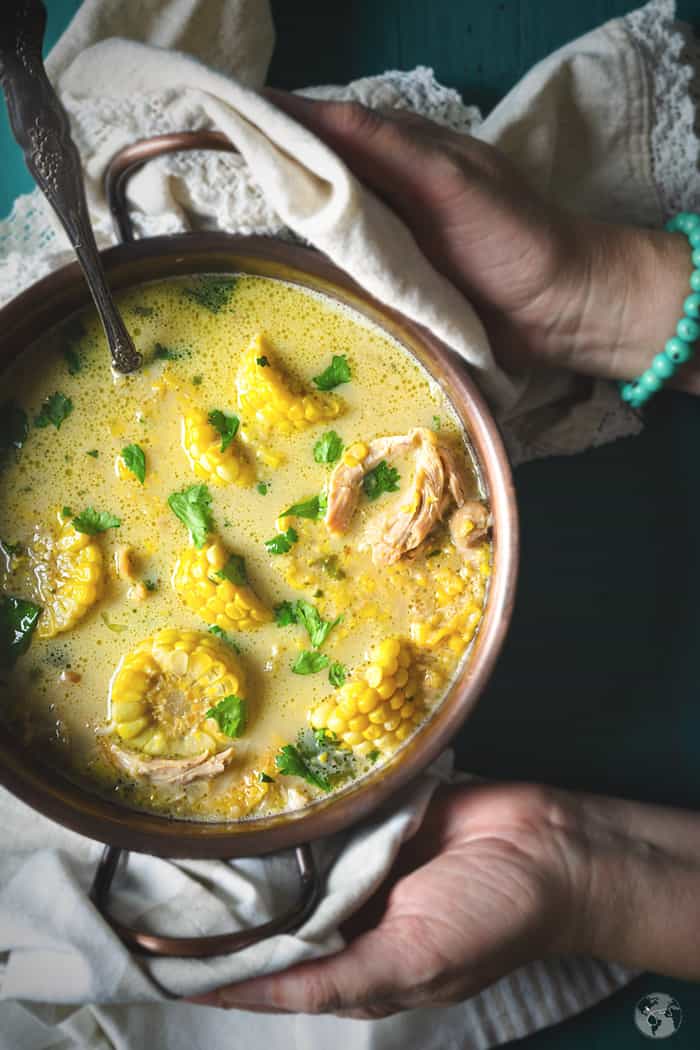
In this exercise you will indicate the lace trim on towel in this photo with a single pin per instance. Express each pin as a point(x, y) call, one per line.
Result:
point(671, 55)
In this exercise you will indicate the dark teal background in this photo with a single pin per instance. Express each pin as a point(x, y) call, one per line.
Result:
point(597, 688)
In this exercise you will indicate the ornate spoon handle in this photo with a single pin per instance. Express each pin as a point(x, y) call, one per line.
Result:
point(41, 128)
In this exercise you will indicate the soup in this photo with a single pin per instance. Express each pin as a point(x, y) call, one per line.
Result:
point(240, 578)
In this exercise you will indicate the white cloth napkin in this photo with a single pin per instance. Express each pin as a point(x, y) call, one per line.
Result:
point(606, 125)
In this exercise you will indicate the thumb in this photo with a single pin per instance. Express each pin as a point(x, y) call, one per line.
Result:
point(374, 968)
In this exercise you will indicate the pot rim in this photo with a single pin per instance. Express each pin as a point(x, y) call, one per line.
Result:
point(51, 300)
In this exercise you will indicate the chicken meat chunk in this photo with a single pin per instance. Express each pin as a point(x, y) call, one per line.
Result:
point(174, 771)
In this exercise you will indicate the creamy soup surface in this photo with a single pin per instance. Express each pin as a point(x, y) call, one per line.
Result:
point(167, 634)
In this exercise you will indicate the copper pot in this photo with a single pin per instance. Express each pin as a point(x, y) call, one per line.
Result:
point(58, 295)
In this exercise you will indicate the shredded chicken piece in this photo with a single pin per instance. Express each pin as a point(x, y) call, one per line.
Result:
point(437, 483)
point(170, 770)
point(469, 526)
point(124, 565)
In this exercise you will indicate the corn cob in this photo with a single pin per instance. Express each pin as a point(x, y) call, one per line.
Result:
point(163, 688)
point(269, 398)
point(379, 709)
point(231, 606)
point(202, 445)
point(67, 566)
point(450, 627)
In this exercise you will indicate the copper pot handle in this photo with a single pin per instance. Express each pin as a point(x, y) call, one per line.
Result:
point(129, 160)
point(214, 944)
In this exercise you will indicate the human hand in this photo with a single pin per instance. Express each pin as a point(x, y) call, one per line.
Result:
point(551, 288)
point(496, 876)
point(481, 889)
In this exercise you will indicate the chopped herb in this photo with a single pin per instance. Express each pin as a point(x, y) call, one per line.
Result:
point(11, 550)
point(284, 614)
point(437, 422)
point(265, 779)
point(373, 756)
point(93, 452)
point(309, 662)
point(197, 380)
point(308, 616)
point(193, 507)
point(227, 426)
point(262, 361)
point(230, 714)
point(283, 542)
point(291, 764)
point(262, 488)
point(54, 410)
point(14, 426)
point(328, 448)
point(66, 512)
point(212, 293)
point(337, 372)
point(336, 674)
point(18, 618)
point(164, 353)
point(313, 508)
point(91, 521)
point(318, 593)
point(433, 554)
point(142, 311)
point(150, 585)
point(73, 360)
point(382, 479)
point(219, 633)
point(234, 570)
point(331, 567)
point(135, 460)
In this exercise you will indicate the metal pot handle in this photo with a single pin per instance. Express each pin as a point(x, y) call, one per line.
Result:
point(129, 160)
point(214, 944)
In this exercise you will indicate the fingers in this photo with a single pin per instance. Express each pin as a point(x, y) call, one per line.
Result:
point(372, 974)
point(389, 155)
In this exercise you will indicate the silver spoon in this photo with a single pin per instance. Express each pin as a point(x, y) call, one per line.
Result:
point(40, 126)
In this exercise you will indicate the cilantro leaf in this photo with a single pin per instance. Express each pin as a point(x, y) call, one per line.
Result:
point(227, 426)
point(285, 614)
point(309, 617)
point(73, 360)
point(234, 570)
point(212, 293)
point(10, 550)
point(14, 425)
point(382, 479)
point(328, 448)
point(164, 353)
point(219, 633)
point(262, 487)
point(54, 410)
point(18, 618)
point(262, 362)
point(291, 764)
point(142, 311)
point(437, 422)
point(193, 507)
point(91, 521)
point(283, 542)
point(310, 661)
point(265, 779)
point(313, 508)
point(135, 460)
point(373, 756)
point(230, 714)
point(336, 674)
point(93, 452)
point(337, 372)
point(331, 566)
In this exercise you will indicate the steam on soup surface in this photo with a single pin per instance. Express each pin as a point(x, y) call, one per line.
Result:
point(241, 577)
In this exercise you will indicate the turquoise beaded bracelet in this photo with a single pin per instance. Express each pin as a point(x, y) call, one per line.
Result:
point(679, 347)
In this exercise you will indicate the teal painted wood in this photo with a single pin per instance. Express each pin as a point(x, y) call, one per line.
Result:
point(597, 688)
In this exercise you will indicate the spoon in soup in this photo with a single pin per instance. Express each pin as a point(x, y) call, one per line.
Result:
point(41, 128)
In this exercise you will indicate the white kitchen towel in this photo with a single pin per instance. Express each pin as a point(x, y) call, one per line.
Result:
point(605, 125)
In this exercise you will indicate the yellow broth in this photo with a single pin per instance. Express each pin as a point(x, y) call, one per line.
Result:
point(56, 694)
